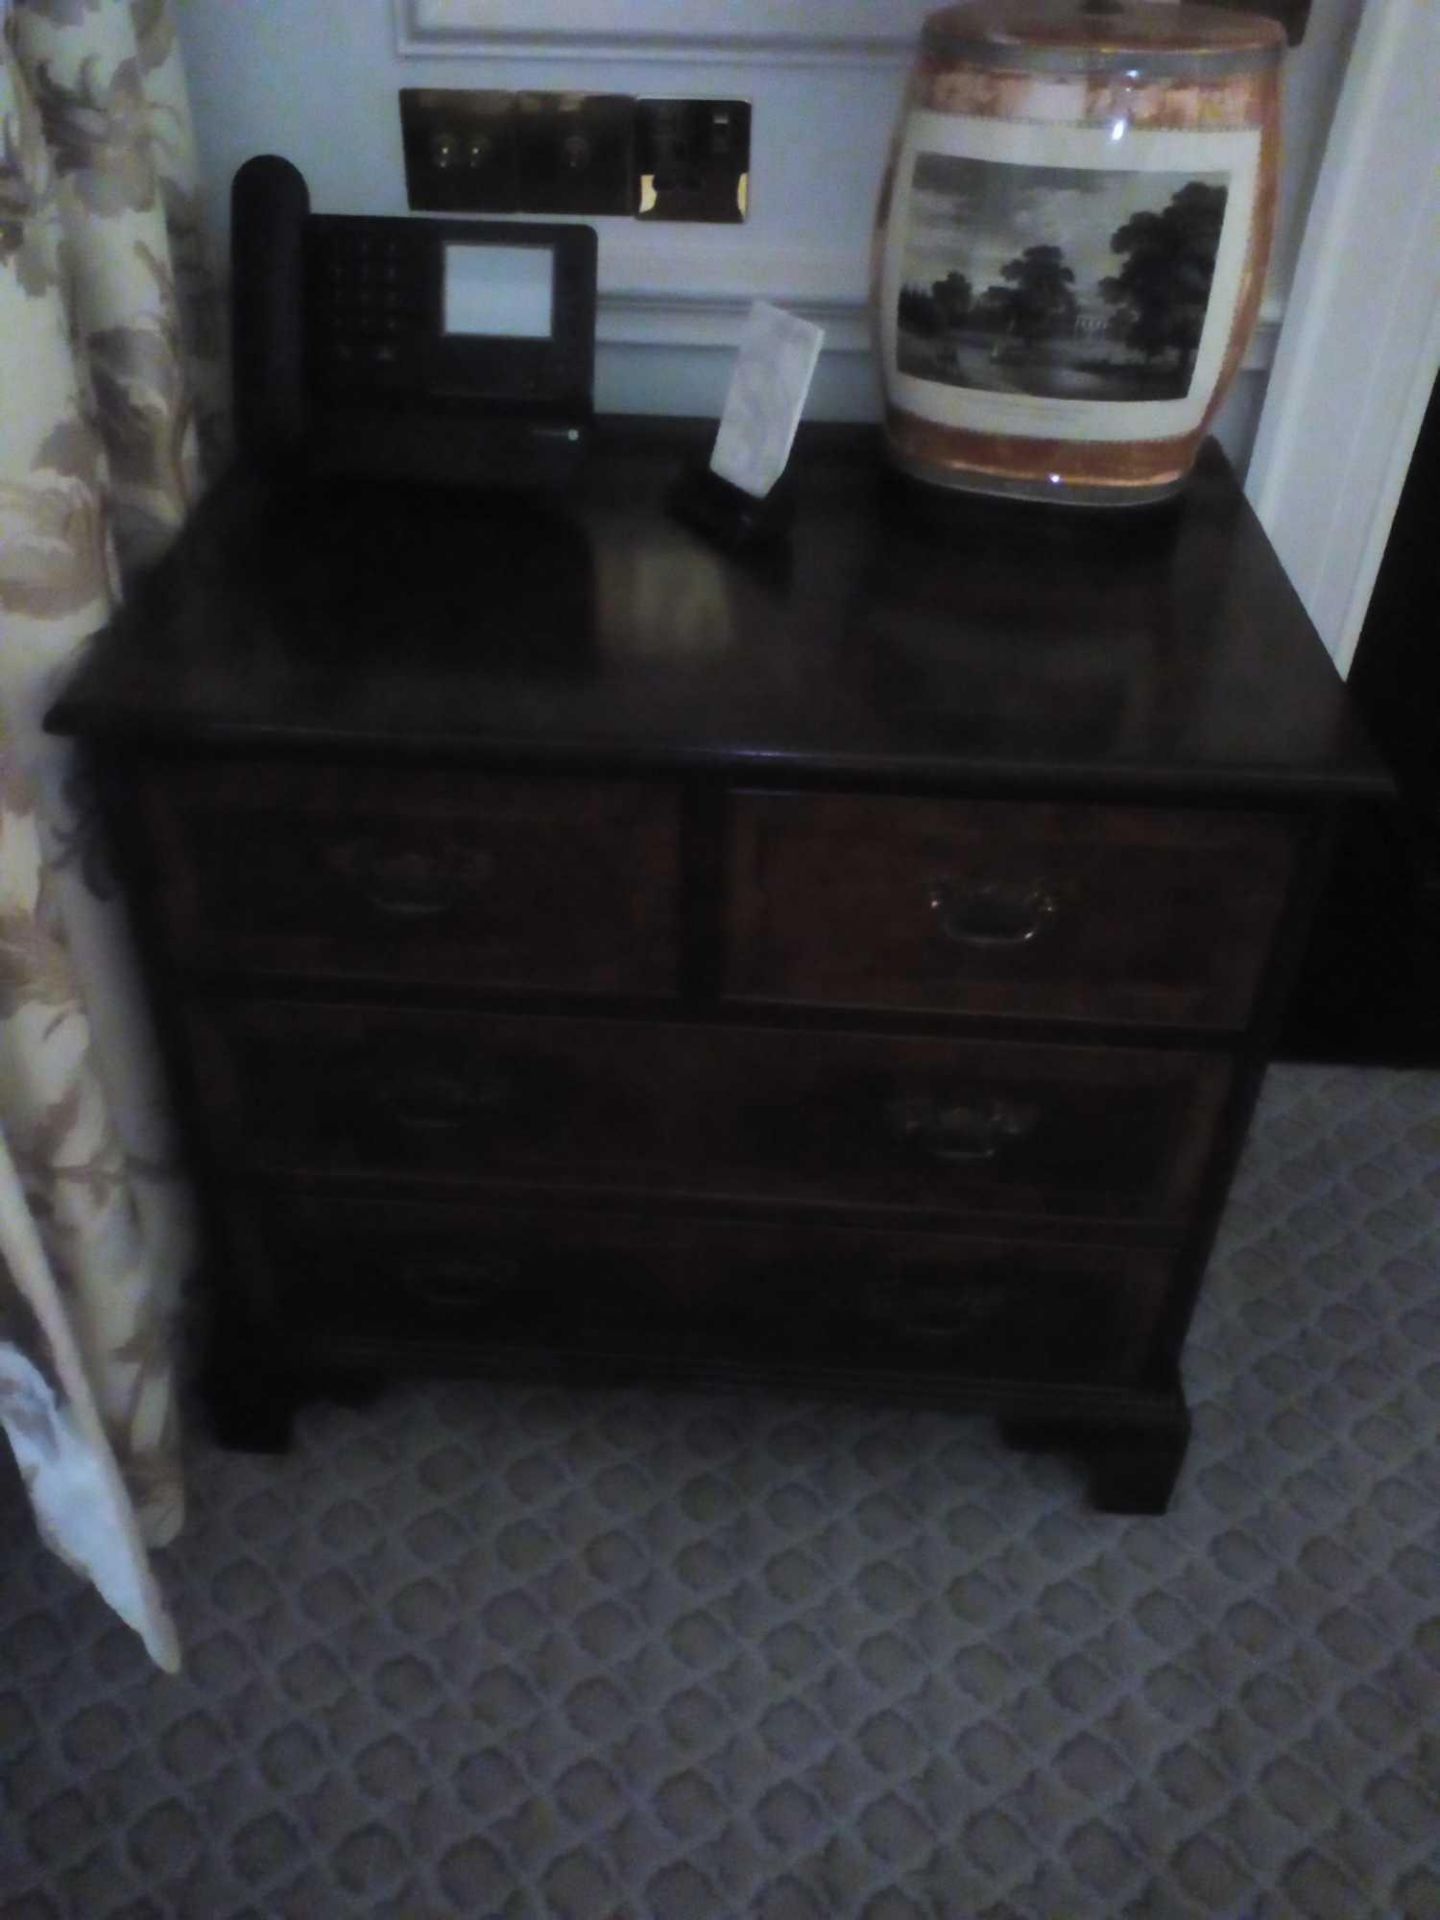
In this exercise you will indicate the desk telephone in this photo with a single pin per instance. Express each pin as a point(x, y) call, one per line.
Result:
point(456, 351)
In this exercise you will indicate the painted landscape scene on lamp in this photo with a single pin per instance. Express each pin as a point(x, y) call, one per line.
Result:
point(1060, 282)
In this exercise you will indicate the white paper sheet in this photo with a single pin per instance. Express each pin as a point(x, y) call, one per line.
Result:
point(772, 376)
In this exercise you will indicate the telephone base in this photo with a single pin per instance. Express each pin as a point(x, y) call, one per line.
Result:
point(453, 445)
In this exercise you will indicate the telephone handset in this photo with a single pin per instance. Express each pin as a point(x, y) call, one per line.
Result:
point(459, 351)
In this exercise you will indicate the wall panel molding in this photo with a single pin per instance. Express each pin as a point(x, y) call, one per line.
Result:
point(832, 30)
point(824, 32)
point(635, 312)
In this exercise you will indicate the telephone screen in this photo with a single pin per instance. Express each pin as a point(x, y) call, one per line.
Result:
point(500, 293)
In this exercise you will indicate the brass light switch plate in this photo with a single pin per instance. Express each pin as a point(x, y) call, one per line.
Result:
point(545, 153)
point(692, 158)
point(478, 151)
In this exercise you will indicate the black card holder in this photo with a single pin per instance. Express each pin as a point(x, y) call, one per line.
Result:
point(726, 514)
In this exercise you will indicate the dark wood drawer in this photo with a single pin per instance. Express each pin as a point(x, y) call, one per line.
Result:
point(827, 1120)
point(435, 877)
point(1156, 916)
point(478, 1280)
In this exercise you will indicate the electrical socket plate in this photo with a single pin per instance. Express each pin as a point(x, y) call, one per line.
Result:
point(479, 151)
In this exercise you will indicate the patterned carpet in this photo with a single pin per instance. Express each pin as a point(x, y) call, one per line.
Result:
point(517, 1652)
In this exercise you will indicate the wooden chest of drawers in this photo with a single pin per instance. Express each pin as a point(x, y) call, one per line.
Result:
point(580, 953)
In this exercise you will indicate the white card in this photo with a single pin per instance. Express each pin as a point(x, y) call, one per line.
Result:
point(772, 376)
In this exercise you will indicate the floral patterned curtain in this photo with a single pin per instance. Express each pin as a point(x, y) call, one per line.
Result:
point(109, 364)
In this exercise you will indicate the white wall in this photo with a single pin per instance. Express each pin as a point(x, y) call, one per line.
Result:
point(317, 81)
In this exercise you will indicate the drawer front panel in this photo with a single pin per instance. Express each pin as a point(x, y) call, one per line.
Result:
point(1127, 914)
point(494, 1278)
point(830, 1120)
point(436, 877)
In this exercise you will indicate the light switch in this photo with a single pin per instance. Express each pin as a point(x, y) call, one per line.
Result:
point(460, 150)
point(547, 153)
point(483, 151)
point(693, 159)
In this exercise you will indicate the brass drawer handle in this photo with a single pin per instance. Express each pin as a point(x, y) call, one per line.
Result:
point(958, 1131)
point(991, 913)
point(409, 883)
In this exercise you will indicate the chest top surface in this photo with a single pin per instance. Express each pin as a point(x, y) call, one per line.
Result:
point(909, 638)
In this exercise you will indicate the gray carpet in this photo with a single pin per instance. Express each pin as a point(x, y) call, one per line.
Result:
point(520, 1652)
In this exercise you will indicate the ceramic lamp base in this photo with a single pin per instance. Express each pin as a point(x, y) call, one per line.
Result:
point(1135, 475)
point(1071, 243)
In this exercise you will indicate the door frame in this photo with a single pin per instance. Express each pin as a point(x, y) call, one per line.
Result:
point(1359, 351)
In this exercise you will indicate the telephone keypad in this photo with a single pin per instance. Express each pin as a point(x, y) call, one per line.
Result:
point(369, 304)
